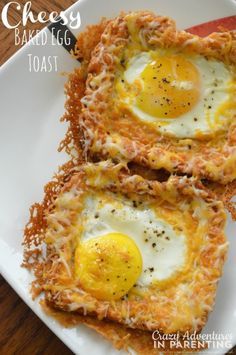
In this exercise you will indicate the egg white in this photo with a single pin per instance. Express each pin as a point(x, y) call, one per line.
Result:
point(202, 117)
point(142, 225)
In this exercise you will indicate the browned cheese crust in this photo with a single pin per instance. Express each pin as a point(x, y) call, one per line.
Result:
point(120, 336)
point(180, 305)
point(111, 132)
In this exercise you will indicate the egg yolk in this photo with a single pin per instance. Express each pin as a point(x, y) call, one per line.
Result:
point(107, 267)
point(171, 87)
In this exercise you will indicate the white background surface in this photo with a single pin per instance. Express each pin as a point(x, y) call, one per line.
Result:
point(30, 131)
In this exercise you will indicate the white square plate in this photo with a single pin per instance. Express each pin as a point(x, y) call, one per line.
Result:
point(31, 105)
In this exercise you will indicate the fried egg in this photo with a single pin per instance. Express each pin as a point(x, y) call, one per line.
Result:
point(134, 251)
point(122, 245)
point(182, 95)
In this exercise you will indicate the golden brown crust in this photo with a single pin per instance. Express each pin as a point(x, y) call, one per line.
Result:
point(88, 39)
point(224, 193)
point(121, 337)
point(149, 311)
point(108, 133)
point(75, 90)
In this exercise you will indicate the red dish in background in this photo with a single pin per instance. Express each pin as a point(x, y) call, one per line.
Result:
point(204, 29)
